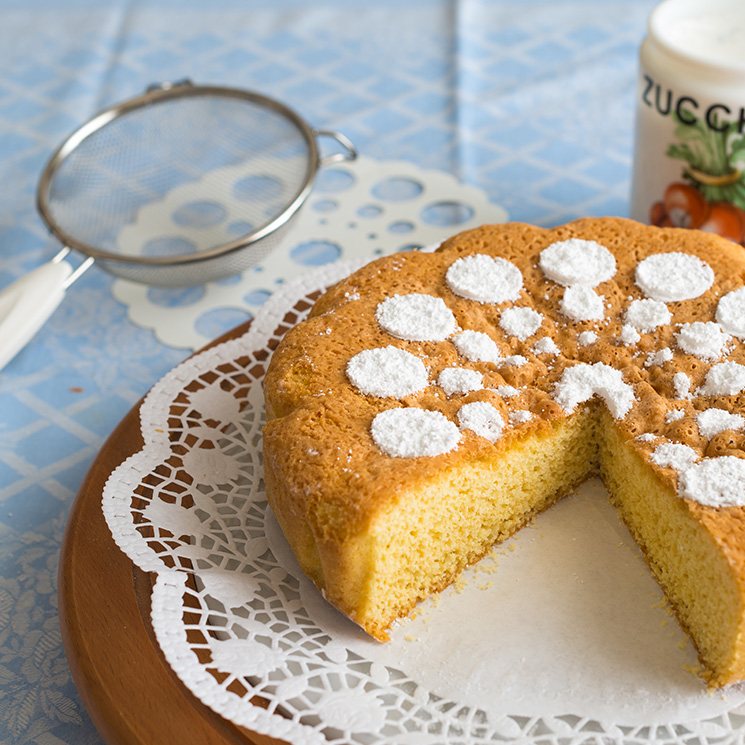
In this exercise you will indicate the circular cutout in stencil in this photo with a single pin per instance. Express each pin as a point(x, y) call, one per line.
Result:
point(401, 226)
point(214, 323)
point(265, 188)
point(240, 227)
point(169, 245)
point(200, 215)
point(447, 213)
point(257, 297)
point(167, 297)
point(370, 210)
point(324, 205)
point(227, 281)
point(397, 189)
point(333, 180)
point(315, 253)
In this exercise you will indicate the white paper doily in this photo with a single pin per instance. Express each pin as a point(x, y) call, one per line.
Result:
point(560, 636)
point(357, 209)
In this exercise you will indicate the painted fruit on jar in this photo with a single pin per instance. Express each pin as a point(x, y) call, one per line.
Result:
point(710, 195)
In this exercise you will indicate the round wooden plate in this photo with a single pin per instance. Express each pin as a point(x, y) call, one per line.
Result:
point(128, 688)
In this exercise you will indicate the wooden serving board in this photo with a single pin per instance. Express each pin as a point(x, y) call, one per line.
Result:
point(128, 688)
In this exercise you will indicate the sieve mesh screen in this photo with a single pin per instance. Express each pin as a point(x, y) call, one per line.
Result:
point(193, 173)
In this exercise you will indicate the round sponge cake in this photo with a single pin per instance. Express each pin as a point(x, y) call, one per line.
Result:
point(433, 403)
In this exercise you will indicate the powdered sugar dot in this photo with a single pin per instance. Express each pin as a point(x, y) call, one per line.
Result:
point(706, 341)
point(646, 437)
point(629, 335)
point(516, 360)
point(674, 455)
point(716, 482)
point(672, 277)
point(713, 421)
point(520, 417)
point(485, 279)
point(546, 345)
point(658, 358)
point(414, 433)
point(577, 262)
point(731, 313)
point(506, 391)
point(459, 380)
point(482, 418)
point(674, 415)
point(581, 382)
point(387, 371)
point(520, 322)
point(582, 303)
point(416, 317)
point(681, 385)
point(477, 346)
point(724, 379)
point(586, 338)
point(646, 315)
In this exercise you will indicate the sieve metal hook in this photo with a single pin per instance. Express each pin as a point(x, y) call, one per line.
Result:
point(348, 153)
point(168, 85)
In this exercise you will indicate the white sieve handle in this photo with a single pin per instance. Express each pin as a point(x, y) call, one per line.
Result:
point(26, 304)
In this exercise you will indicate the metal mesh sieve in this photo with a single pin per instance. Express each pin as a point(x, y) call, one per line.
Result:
point(184, 184)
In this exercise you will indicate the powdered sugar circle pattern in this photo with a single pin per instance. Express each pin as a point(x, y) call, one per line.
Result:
point(577, 265)
point(237, 618)
point(363, 208)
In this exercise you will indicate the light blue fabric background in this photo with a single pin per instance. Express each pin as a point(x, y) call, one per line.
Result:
point(531, 101)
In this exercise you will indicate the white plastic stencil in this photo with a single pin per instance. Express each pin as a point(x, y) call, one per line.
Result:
point(559, 637)
point(360, 209)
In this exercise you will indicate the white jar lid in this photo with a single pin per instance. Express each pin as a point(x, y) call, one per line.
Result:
point(705, 32)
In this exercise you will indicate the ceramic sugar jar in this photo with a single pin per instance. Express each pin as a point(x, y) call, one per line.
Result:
point(689, 159)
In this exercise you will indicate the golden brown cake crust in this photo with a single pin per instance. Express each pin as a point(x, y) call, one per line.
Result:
point(328, 478)
point(307, 373)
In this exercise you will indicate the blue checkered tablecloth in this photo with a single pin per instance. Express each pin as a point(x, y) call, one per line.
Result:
point(530, 101)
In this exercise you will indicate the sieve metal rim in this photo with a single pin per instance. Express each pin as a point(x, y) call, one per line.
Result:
point(157, 94)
